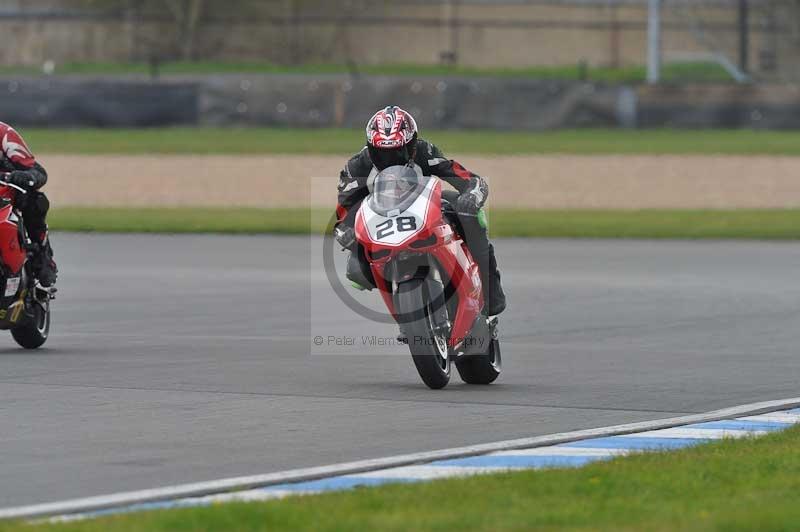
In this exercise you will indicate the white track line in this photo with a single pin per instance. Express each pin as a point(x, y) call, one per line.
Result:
point(562, 451)
point(700, 434)
point(200, 489)
point(777, 417)
point(425, 472)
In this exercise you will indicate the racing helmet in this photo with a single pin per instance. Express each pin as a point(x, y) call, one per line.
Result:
point(391, 137)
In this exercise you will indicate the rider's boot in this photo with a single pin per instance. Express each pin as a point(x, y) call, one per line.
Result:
point(43, 265)
point(34, 213)
point(358, 271)
point(494, 297)
point(477, 240)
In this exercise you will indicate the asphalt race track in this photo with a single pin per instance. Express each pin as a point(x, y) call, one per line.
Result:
point(178, 359)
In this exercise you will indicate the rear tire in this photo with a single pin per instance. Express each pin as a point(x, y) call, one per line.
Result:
point(481, 369)
point(429, 352)
point(33, 332)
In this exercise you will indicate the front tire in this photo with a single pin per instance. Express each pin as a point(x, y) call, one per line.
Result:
point(33, 332)
point(429, 350)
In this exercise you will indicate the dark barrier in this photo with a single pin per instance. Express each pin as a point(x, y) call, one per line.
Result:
point(75, 102)
point(338, 100)
point(454, 102)
point(729, 106)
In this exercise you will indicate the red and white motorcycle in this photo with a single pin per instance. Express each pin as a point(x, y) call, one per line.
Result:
point(24, 303)
point(428, 278)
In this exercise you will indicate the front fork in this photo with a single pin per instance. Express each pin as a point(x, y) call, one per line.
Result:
point(440, 316)
point(438, 310)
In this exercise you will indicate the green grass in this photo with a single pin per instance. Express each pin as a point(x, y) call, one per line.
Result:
point(343, 142)
point(182, 220)
point(737, 224)
point(681, 71)
point(691, 224)
point(729, 485)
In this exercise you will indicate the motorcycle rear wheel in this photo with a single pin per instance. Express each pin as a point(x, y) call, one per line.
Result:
point(33, 332)
point(483, 368)
point(428, 349)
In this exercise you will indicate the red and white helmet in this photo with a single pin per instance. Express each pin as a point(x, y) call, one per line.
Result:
point(391, 137)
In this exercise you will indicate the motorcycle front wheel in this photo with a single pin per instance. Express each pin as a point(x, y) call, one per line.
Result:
point(428, 348)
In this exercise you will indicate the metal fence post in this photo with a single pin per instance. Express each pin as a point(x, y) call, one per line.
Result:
point(654, 41)
point(744, 36)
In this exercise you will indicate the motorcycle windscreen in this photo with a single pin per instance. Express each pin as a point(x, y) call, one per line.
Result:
point(395, 190)
point(397, 226)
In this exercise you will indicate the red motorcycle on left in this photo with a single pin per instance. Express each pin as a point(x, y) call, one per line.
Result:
point(24, 303)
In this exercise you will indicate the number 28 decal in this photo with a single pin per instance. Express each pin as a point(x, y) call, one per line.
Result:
point(388, 228)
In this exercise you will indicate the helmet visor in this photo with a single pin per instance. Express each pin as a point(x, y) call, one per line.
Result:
point(383, 159)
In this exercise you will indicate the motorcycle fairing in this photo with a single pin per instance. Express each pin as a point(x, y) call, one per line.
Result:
point(433, 237)
point(12, 254)
point(12, 299)
point(400, 226)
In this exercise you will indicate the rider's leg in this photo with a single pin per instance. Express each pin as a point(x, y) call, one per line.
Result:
point(34, 213)
point(477, 239)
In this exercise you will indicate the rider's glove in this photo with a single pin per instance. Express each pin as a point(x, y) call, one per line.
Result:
point(346, 237)
point(20, 178)
point(468, 203)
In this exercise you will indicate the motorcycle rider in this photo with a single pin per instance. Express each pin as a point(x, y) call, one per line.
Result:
point(21, 169)
point(392, 139)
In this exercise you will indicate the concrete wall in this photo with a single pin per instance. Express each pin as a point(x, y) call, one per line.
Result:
point(488, 35)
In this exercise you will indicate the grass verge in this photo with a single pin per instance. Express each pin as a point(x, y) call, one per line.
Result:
point(748, 484)
point(672, 72)
point(184, 220)
point(736, 224)
point(342, 142)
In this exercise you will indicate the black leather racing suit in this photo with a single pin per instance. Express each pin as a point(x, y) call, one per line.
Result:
point(355, 184)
